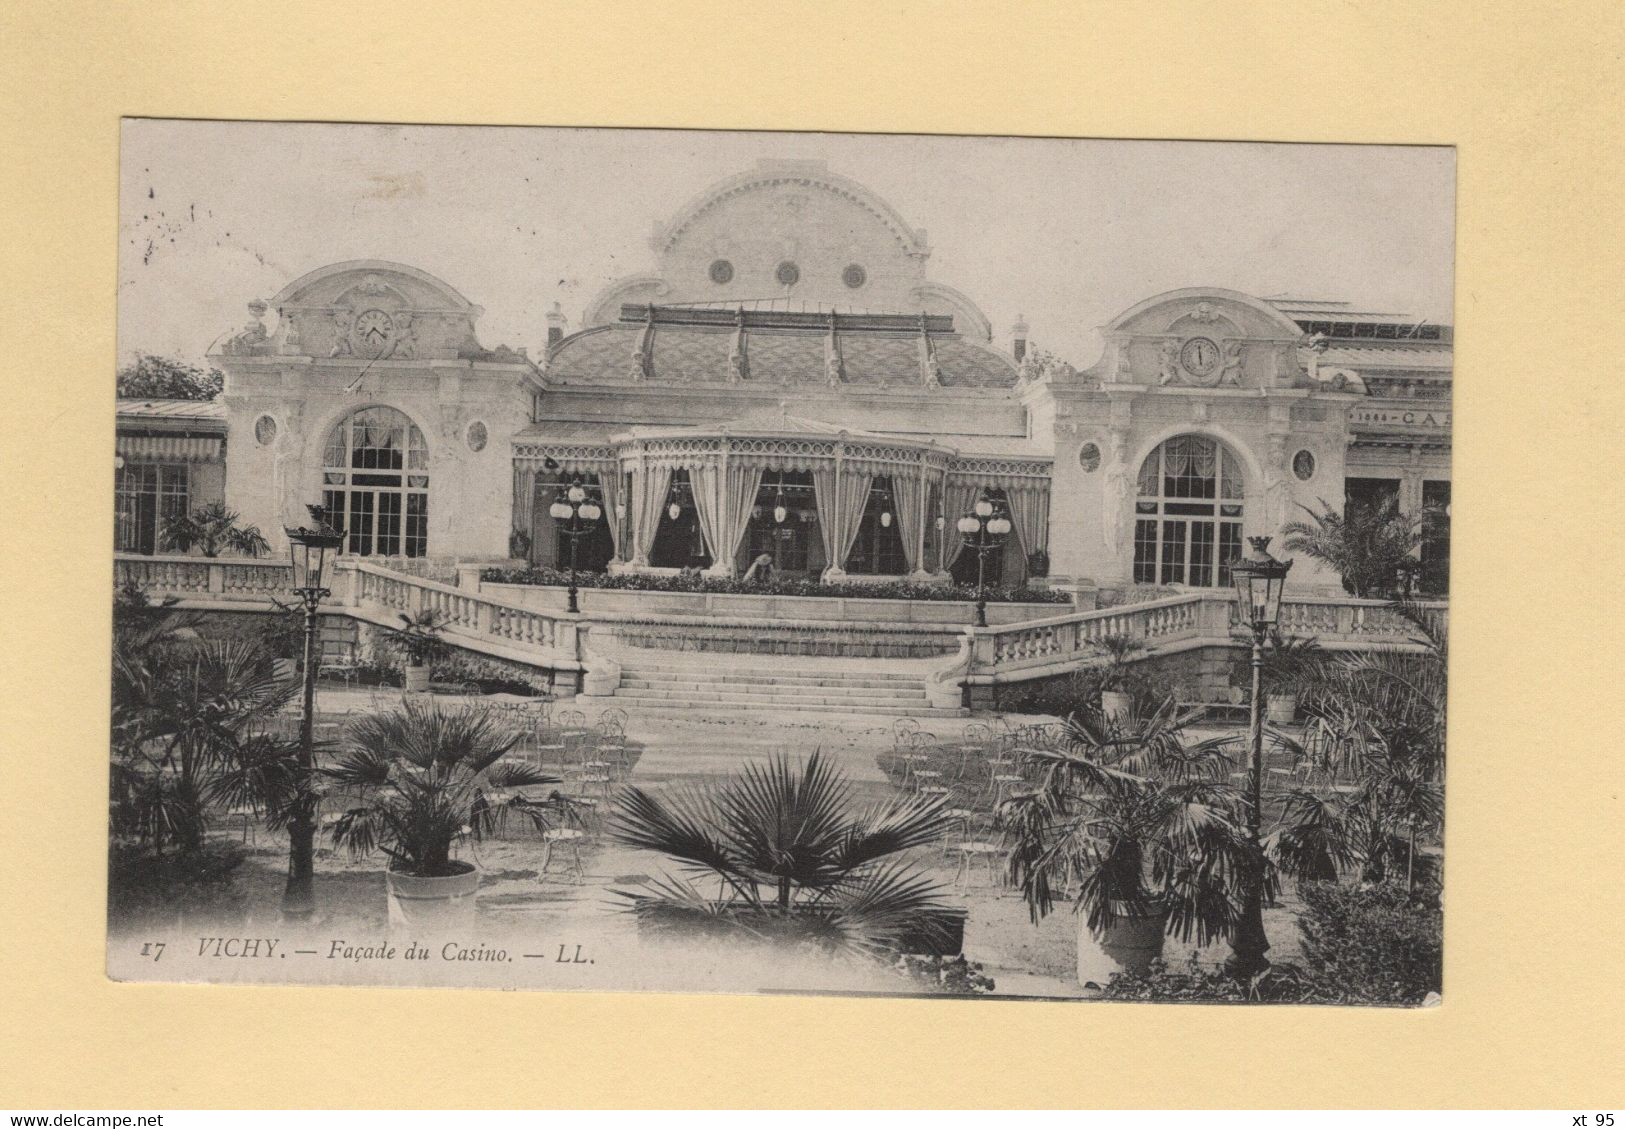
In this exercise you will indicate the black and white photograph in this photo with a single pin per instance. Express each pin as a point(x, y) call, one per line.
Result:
point(941, 566)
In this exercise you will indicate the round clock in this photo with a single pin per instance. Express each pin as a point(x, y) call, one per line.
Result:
point(1199, 356)
point(373, 331)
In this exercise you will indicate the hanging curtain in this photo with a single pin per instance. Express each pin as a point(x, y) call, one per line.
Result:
point(910, 498)
point(703, 484)
point(962, 495)
point(1029, 513)
point(524, 503)
point(854, 495)
point(739, 493)
point(649, 491)
point(609, 489)
point(828, 511)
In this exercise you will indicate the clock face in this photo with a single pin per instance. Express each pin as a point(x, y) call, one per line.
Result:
point(373, 330)
point(1199, 356)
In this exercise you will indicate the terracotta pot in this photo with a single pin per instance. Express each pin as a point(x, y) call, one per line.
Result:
point(416, 679)
point(1129, 945)
point(1281, 709)
point(433, 905)
point(1115, 703)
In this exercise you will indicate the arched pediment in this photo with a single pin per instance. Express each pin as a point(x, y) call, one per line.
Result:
point(813, 175)
point(359, 278)
point(1178, 310)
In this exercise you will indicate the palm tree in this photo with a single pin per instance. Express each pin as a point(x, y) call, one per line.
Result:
point(423, 775)
point(1365, 544)
point(1142, 821)
point(792, 861)
point(213, 528)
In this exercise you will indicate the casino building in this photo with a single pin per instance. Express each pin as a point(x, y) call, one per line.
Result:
point(787, 379)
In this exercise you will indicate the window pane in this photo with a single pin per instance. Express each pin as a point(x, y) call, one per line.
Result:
point(1173, 552)
point(361, 507)
point(389, 523)
point(1201, 553)
point(1145, 552)
point(1229, 549)
point(417, 525)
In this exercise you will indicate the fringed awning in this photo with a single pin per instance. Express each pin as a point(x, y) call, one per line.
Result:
point(170, 448)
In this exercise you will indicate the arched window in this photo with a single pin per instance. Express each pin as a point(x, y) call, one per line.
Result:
point(1187, 514)
point(375, 473)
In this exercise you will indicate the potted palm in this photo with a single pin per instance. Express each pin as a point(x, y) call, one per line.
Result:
point(795, 864)
point(212, 529)
point(418, 641)
point(424, 779)
point(1120, 652)
point(1144, 827)
point(1290, 662)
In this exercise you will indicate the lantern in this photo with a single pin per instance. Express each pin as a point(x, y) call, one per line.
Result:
point(590, 510)
point(1259, 580)
point(984, 507)
point(885, 519)
point(999, 526)
point(576, 493)
point(309, 549)
point(675, 511)
point(560, 510)
point(969, 526)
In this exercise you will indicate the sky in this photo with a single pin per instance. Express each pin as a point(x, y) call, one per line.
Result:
point(1067, 233)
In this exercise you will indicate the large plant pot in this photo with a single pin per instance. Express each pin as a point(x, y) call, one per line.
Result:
point(1127, 945)
point(433, 905)
point(416, 679)
point(1115, 703)
point(1281, 709)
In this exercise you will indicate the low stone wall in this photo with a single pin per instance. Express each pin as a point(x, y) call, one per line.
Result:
point(1201, 674)
point(830, 641)
point(623, 601)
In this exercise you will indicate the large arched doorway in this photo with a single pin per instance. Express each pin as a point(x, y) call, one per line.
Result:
point(375, 483)
point(1188, 513)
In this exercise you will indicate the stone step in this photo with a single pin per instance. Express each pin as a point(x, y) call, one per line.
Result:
point(775, 663)
point(632, 702)
point(708, 696)
point(726, 686)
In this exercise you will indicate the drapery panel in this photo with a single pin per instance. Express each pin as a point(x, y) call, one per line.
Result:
point(910, 500)
point(703, 482)
point(649, 490)
point(829, 509)
point(524, 502)
point(739, 492)
point(609, 488)
point(962, 494)
point(1029, 513)
point(854, 499)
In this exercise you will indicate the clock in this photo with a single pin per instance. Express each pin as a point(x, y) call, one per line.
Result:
point(374, 330)
point(1199, 356)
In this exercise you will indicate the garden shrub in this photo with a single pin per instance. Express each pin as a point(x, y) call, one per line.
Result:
point(142, 885)
point(693, 582)
point(493, 675)
point(1372, 943)
point(949, 975)
point(1281, 983)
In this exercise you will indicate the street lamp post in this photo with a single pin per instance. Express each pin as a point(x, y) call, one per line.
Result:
point(984, 529)
point(309, 550)
point(1259, 580)
point(579, 514)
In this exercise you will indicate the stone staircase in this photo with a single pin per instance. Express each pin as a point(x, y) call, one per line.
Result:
point(697, 684)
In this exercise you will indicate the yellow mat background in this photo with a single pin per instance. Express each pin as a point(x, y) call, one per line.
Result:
point(1531, 95)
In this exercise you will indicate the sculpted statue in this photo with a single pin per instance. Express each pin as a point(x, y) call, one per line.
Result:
point(1116, 500)
point(1309, 355)
point(253, 334)
point(342, 321)
point(406, 344)
point(1169, 359)
point(1230, 365)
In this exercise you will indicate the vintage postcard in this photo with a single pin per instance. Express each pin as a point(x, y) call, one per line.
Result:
point(767, 562)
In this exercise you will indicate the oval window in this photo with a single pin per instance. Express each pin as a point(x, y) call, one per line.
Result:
point(265, 431)
point(854, 276)
point(1089, 458)
point(476, 436)
point(1303, 465)
point(722, 272)
point(788, 274)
